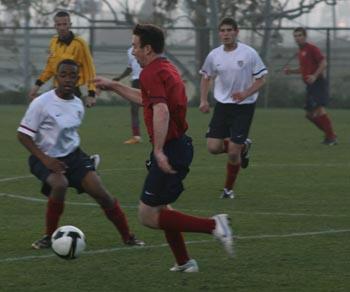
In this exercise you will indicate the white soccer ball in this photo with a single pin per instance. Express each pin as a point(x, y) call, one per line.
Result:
point(68, 242)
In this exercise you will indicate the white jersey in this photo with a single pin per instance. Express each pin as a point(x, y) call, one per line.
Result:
point(233, 71)
point(134, 65)
point(52, 122)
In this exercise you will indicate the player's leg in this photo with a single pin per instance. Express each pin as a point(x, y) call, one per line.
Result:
point(54, 187)
point(317, 98)
point(239, 119)
point(135, 122)
point(92, 184)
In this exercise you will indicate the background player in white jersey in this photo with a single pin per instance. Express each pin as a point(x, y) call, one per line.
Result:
point(49, 131)
point(134, 69)
point(238, 73)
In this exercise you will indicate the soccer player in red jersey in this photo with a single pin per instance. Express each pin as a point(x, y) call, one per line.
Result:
point(164, 103)
point(312, 65)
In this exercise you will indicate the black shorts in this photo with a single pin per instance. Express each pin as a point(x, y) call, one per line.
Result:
point(78, 162)
point(231, 121)
point(161, 188)
point(316, 94)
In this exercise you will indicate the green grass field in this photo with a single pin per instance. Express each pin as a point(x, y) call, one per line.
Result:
point(291, 214)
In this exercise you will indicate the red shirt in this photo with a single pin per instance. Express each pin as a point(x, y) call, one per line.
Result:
point(310, 58)
point(161, 83)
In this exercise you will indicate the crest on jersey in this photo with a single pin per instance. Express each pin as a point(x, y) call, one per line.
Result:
point(240, 63)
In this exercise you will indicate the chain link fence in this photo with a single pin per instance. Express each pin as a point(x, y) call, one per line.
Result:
point(23, 54)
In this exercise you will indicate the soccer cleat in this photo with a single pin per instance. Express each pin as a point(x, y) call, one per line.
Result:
point(44, 242)
point(133, 241)
point(245, 153)
point(227, 194)
point(190, 267)
point(96, 159)
point(223, 233)
point(133, 140)
point(330, 141)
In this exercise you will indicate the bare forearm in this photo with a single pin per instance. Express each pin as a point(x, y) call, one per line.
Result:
point(257, 84)
point(29, 144)
point(320, 68)
point(129, 93)
point(204, 89)
point(160, 125)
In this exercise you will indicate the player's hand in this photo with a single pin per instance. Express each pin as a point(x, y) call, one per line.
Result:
point(90, 101)
point(204, 107)
point(163, 162)
point(55, 165)
point(310, 79)
point(103, 83)
point(238, 96)
point(33, 93)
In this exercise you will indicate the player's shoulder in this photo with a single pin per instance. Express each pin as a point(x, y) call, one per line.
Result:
point(247, 48)
point(79, 39)
point(43, 99)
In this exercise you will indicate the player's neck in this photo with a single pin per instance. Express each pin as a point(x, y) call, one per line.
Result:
point(64, 95)
point(230, 47)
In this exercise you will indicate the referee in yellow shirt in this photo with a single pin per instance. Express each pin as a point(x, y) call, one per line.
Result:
point(66, 45)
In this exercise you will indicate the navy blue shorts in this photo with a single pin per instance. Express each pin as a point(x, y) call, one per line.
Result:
point(162, 188)
point(78, 162)
point(316, 94)
point(231, 121)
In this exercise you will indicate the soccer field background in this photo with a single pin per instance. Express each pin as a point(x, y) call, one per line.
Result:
point(290, 217)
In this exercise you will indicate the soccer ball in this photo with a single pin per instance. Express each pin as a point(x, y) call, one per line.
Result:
point(68, 242)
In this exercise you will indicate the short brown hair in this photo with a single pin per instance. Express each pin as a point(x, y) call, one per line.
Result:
point(228, 21)
point(300, 29)
point(152, 35)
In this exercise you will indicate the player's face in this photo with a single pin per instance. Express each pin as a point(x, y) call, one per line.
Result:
point(67, 77)
point(299, 38)
point(62, 25)
point(139, 52)
point(228, 35)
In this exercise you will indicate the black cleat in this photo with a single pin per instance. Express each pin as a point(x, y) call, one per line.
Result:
point(42, 243)
point(330, 141)
point(133, 241)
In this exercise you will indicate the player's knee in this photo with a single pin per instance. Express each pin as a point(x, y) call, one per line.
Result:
point(147, 217)
point(59, 183)
point(214, 149)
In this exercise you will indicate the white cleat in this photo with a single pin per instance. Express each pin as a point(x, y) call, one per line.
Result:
point(97, 159)
point(223, 232)
point(190, 267)
point(227, 194)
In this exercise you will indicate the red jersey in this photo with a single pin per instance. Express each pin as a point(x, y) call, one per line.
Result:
point(161, 82)
point(310, 58)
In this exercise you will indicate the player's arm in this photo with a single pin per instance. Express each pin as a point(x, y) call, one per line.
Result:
point(320, 69)
point(127, 92)
point(204, 90)
point(125, 73)
point(257, 84)
point(53, 164)
point(160, 130)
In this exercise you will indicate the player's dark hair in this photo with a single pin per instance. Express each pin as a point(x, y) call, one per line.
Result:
point(228, 21)
point(301, 29)
point(62, 14)
point(152, 35)
point(67, 62)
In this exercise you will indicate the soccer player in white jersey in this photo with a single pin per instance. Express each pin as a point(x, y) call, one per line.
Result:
point(238, 73)
point(49, 131)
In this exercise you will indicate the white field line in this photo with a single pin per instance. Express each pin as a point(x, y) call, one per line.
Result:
point(156, 246)
point(37, 200)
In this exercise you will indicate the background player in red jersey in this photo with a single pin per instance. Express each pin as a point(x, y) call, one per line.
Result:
point(165, 104)
point(312, 65)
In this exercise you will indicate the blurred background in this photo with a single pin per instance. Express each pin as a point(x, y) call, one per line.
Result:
point(191, 29)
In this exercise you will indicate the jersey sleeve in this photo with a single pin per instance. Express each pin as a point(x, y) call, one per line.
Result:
point(208, 69)
point(32, 118)
point(317, 54)
point(259, 68)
